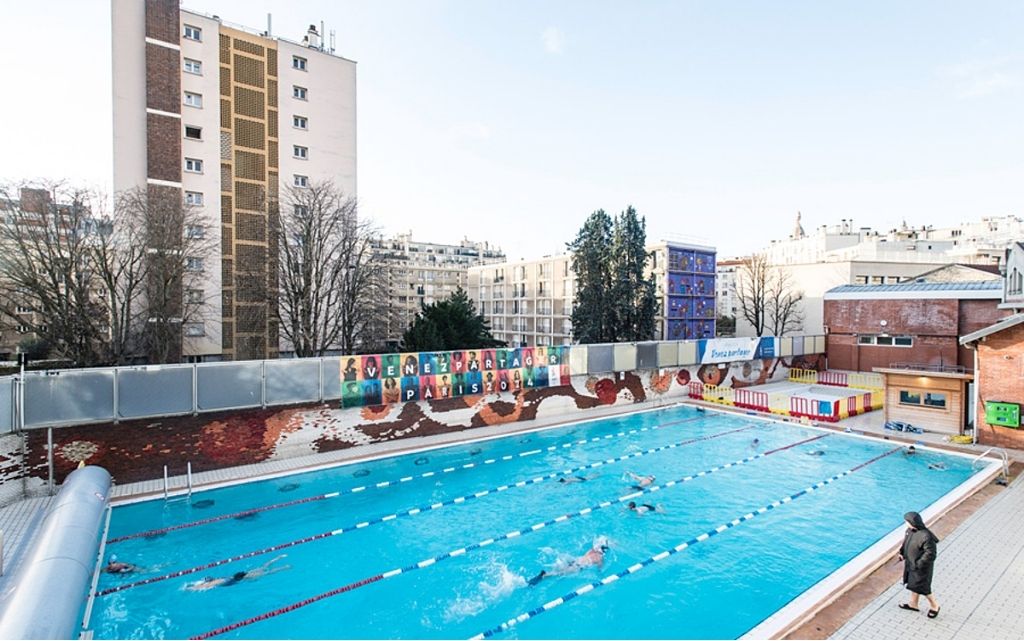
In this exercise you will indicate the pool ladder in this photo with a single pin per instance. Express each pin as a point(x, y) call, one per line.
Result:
point(1003, 456)
point(188, 477)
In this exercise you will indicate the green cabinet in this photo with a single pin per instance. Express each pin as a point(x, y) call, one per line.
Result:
point(1004, 414)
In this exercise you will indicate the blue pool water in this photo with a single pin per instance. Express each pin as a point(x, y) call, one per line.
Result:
point(718, 587)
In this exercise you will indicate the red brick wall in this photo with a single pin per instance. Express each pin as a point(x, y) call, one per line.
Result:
point(975, 315)
point(163, 79)
point(936, 326)
point(163, 148)
point(162, 20)
point(1000, 378)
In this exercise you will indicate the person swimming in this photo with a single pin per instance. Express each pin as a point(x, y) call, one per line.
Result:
point(642, 508)
point(593, 557)
point(209, 583)
point(641, 481)
point(756, 443)
point(910, 451)
point(120, 567)
point(937, 466)
point(815, 452)
point(577, 479)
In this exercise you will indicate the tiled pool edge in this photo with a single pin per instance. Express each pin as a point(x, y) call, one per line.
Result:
point(821, 594)
point(226, 477)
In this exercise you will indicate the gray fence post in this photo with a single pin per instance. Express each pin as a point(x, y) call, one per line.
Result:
point(195, 389)
point(49, 460)
point(263, 384)
point(116, 413)
point(320, 393)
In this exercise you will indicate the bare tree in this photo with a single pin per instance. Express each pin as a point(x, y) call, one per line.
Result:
point(162, 248)
point(47, 280)
point(767, 297)
point(101, 287)
point(752, 283)
point(784, 311)
point(331, 292)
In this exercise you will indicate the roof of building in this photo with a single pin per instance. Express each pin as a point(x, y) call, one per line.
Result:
point(958, 273)
point(985, 289)
point(1006, 323)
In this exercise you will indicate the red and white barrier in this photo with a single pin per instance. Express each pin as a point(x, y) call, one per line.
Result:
point(838, 379)
point(752, 400)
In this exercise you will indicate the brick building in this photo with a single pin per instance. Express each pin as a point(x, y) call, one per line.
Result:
point(998, 350)
point(881, 326)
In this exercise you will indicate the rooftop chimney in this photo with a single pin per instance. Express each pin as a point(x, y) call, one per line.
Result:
point(313, 37)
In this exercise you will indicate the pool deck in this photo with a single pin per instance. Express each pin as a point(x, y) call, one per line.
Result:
point(979, 576)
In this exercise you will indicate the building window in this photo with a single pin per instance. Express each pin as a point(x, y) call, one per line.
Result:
point(299, 93)
point(195, 231)
point(22, 309)
point(194, 264)
point(301, 181)
point(877, 280)
point(298, 62)
point(935, 399)
point(195, 329)
point(23, 329)
point(193, 66)
point(193, 100)
point(194, 165)
point(886, 341)
point(301, 210)
point(194, 198)
point(860, 280)
point(194, 296)
point(910, 397)
point(193, 33)
point(193, 133)
point(300, 152)
point(300, 122)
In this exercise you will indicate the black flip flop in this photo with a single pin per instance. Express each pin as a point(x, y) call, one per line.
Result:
point(906, 606)
point(933, 613)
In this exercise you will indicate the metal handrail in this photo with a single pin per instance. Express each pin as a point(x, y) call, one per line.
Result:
point(1002, 454)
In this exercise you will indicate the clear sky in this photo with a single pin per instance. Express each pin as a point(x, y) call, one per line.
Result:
point(510, 121)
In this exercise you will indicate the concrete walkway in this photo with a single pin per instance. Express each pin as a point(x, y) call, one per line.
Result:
point(979, 577)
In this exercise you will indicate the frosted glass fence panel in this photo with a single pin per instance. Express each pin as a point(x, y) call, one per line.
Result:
point(159, 390)
point(65, 397)
point(293, 381)
point(225, 386)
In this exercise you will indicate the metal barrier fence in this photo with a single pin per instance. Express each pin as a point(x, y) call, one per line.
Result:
point(111, 394)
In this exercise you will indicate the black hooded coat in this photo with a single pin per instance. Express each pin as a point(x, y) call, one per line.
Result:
point(919, 551)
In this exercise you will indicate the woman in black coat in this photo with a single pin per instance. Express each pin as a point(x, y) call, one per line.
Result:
point(918, 556)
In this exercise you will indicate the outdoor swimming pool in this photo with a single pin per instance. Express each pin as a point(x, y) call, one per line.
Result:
point(441, 544)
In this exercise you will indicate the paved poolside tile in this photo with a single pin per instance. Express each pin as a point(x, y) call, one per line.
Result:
point(979, 577)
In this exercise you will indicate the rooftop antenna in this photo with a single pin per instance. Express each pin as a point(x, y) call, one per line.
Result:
point(269, 32)
point(332, 40)
point(321, 35)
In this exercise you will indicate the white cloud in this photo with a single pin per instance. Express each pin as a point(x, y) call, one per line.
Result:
point(554, 40)
point(984, 77)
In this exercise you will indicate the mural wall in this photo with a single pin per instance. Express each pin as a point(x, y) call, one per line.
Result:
point(426, 376)
point(138, 450)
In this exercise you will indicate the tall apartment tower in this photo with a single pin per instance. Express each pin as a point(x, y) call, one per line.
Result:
point(227, 119)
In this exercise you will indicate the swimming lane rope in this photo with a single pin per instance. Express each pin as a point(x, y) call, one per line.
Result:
point(486, 542)
point(664, 554)
point(414, 511)
point(384, 484)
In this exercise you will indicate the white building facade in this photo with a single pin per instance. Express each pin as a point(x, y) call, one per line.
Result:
point(227, 119)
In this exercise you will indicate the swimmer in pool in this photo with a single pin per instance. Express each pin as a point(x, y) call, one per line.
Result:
point(641, 481)
point(577, 479)
point(643, 508)
point(226, 581)
point(910, 451)
point(815, 452)
point(755, 444)
point(593, 557)
point(937, 466)
point(120, 567)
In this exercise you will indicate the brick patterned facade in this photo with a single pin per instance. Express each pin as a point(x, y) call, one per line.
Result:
point(935, 324)
point(248, 195)
point(163, 82)
point(162, 20)
point(163, 148)
point(1000, 377)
